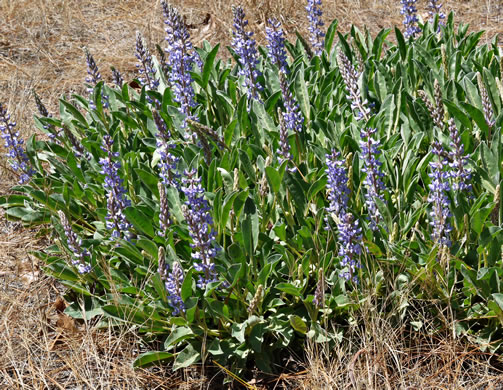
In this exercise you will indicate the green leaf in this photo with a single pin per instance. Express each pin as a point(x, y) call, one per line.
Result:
point(302, 94)
point(288, 288)
point(330, 35)
point(298, 324)
point(178, 335)
point(140, 221)
point(150, 358)
point(273, 179)
point(208, 65)
point(402, 47)
point(186, 358)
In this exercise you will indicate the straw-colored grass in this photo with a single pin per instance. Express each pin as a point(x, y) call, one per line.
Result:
point(41, 47)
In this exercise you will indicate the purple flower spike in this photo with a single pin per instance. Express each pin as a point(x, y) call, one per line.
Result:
point(284, 146)
point(181, 59)
point(172, 282)
point(116, 193)
point(276, 44)
point(18, 159)
point(410, 21)
point(434, 8)
point(350, 76)
point(314, 14)
point(350, 238)
point(373, 180)
point(164, 215)
point(292, 115)
point(145, 67)
point(117, 78)
point(197, 214)
point(244, 46)
point(337, 183)
point(459, 173)
point(75, 245)
point(42, 110)
point(94, 77)
point(439, 188)
point(168, 162)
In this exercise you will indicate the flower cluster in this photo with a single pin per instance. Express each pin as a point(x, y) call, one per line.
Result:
point(172, 282)
point(276, 44)
point(94, 77)
point(164, 215)
point(438, 198)
point(284, 146)
point(75, 245)
point(292, 115)
point(117, 78)
point(319, 293)
point(434, 8)
point(167, 163)
point(196, 211)
point(458, 161)
point(337, 182)
point(116, 193)
point(486, 103)
point(145, 67)
point(350, 237)
point(410, 21)
point(436, 109)
point(350, 76)
point(244, 46)
point(181, 59)
point(314, 14)
point(18, 159)
point(373, 180)
point(349, 232)
point(42, 110)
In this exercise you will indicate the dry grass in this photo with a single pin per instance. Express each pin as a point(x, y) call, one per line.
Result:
point(41, 47)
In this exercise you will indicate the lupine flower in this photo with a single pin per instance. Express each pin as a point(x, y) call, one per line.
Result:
point(145, 67)
point(94, 77)
point(168, 162)
point(75, 245)
point(319, 293)
point(435, 109)
point(116, 193)
point(292, 115)
point(439, 188)
point(172, 282)
point(410, 21)
point(181, 59)
point(42, 110)
point(350, 238)
point(197, 214)
point(276, 44)
point(164, 215)
point(373, 180)
point(77, 148)
point(459, 172)
point(18, 159)
point(434, 8)
point(486, 103)
point(257, 298)
point(337, 183)
point(117, 78)
point(350, 77)
point(314, 14)
point(284, 146)
point(244, 46)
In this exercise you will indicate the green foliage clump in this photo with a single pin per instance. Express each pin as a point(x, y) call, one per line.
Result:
point(237, 255)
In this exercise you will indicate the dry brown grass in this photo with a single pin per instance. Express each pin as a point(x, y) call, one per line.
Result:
point(41, 47)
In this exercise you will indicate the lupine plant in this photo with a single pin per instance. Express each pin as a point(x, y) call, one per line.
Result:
point(306, 182)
